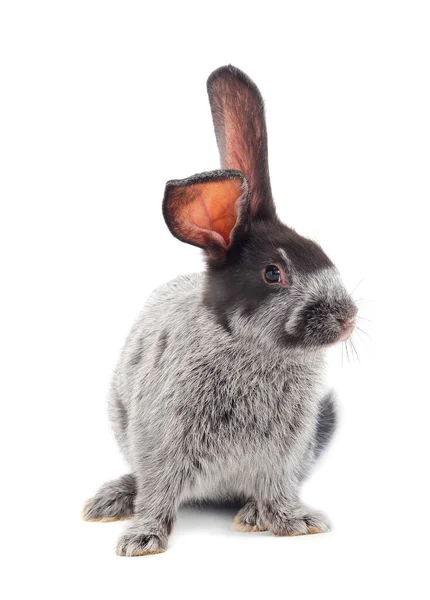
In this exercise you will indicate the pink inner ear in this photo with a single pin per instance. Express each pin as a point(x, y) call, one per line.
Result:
point(239, 153)
point(214, 208)
point(206, 213)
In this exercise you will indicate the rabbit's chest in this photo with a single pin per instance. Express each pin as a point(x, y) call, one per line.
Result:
point(249, 401)
point(236, 427)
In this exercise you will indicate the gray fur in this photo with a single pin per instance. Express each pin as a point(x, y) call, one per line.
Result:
point(219, 392)
point(225, 420)
point(326, 425)
point(114, 501)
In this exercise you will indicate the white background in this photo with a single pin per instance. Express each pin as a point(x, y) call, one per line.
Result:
point(100, 104)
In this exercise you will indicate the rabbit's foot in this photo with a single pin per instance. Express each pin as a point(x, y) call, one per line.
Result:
point(139, 544)
point(113, 502)
point(102, 510)
point(248, 519)
point(299, 522)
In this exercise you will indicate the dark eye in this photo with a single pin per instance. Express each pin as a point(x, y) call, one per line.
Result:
point(272, 274)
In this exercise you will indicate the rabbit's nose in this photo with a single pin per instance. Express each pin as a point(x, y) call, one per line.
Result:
point(347, 326)
point(345, 323)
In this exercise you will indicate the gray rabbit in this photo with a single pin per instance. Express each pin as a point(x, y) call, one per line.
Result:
point(219, 391)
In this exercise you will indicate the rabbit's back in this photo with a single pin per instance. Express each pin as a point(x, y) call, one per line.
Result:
point(140, 368)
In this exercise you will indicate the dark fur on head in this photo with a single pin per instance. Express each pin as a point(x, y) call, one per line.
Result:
point(312, 308)
point(314, 301)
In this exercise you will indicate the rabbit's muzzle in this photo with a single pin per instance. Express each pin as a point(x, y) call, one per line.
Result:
point(326, 321)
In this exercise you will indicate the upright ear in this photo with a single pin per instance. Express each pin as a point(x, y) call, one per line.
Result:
point(240, 128)
point(210, 210)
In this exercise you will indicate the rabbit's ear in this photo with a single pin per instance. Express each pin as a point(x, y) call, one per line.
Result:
point(240, 129)
point(210, 210)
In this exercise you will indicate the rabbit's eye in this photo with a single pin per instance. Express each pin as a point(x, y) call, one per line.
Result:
point(272, 274)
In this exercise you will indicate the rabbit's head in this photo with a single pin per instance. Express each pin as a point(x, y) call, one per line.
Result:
point(264, 281)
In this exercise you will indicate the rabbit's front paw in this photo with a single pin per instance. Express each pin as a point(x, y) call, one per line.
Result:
point(317, 522)
point(301, 522)
point(248, 519)
point(139, 544)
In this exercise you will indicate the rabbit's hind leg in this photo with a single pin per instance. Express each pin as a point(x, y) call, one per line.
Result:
point(114, 501)
point(327, 419)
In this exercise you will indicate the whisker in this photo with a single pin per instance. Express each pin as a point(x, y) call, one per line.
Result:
point(350, 351)
point(347, 353)
point(358, 284)
point(362, 330)
point(364, 318)
point(355, 350)
point(360, 338)
point(348, 345)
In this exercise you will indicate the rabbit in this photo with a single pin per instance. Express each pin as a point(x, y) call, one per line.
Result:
point(219, 393)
